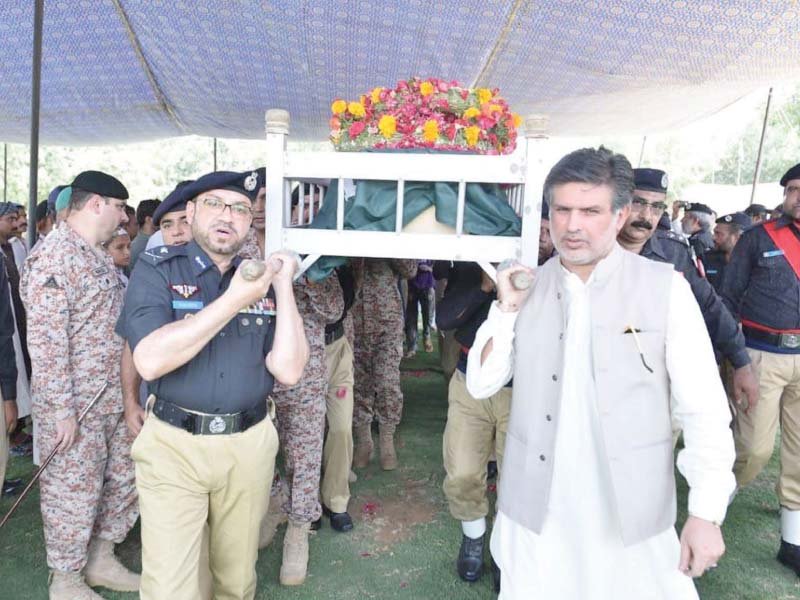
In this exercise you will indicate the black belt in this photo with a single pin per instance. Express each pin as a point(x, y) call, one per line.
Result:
point(203, 424)
point(334, 334)
point(779, 340)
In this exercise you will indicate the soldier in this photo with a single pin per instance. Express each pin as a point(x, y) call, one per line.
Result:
point(696, 225)
point(639, 235)
point(210, 344)
point(475, 428)
point(762, 288)
point(727, 232)
point(73, 298)
point(378, 325)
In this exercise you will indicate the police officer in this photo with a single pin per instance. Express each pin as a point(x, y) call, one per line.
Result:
point(758, 213)
point(762, 288)
point(210, 343)
point(696, 225)
point(73, 297)
point(475, 428)
point(726, 233)
point(639, 234)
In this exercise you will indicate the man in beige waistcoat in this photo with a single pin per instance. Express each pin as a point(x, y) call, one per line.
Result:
point(597, 348)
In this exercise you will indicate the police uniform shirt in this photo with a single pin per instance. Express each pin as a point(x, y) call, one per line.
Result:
point(728, 341)
point(702, 242)
point(760, 284)
point(228, 375)
point(714, 263)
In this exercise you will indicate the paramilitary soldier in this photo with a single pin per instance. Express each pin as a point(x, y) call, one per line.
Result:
point(73, 297)
point(639, 235)
point(762, 288)
point(210, 343)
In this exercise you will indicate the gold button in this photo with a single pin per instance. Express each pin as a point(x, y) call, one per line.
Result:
point(245, 322)
point(259, 321)
point(187, 315)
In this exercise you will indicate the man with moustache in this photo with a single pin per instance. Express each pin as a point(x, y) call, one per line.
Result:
point(606, 349)
point(727, 232)
point(762, 288)
point(640, 235)
point(211, 344)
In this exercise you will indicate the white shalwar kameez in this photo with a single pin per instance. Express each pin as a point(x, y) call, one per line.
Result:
point(579, 554)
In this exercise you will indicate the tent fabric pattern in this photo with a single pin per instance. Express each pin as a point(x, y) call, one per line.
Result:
point(128, 70)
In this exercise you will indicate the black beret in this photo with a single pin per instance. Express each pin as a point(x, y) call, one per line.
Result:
point(244, 183)
point(756, 209)
point(698, 207)
point(101, 184)
point(793, 173)
point(53, 196)
point(664, 222)
point(737, 218)
point(175, 200)
point(650, 180)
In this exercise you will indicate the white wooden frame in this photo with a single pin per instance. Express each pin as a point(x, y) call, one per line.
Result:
point(524, 170)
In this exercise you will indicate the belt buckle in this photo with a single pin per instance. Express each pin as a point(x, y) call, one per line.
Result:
point(790, 340)
point(219, 424)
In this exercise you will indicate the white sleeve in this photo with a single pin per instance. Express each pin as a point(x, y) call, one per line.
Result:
point(700, 407)
point(485, 380)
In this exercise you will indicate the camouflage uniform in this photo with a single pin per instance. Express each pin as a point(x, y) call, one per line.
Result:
point(73, 298)
point(301, 409)
point(378, 325)
point(250, 248)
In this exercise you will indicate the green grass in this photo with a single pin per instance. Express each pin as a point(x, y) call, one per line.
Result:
point(404, 543)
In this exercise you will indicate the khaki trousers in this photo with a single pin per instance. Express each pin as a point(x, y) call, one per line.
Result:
point(474, 429)
point(754, 434)
point(185, 481)
point(449, 352)
point(337, 454)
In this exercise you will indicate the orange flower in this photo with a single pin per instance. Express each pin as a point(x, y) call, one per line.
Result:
point(426, 88)
point(471, 112)
point(387, 126)
point(493, 108)
point(335, 123)
point(471, 134)
point(484, 95)
point(356, 109)
point(517, 120)
point(376, 94)
point(338, 107)
point(430, 130)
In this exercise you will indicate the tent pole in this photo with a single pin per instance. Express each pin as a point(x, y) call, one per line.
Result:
point(36, 82)
point(760, 148)
point(215, 154)
point(641, 153)
point(5, 172)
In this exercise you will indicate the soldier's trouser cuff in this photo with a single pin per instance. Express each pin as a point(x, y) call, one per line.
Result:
point(790, 526)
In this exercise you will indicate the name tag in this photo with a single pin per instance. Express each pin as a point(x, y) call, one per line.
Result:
point(187, 304)
point(772, 253)
point(711, 271)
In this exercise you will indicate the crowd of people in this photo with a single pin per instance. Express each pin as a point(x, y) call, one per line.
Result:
point(167, 375)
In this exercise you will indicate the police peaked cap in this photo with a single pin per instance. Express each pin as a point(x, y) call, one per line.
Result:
point(244, 183)
point(793, 173)
point(737, 218)
point(175, 200)
point(101, 184)
point(756, 209)
point(650, 180)
point(699, 207)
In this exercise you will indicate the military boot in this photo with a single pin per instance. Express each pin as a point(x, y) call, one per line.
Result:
point(388, 455)
point(69, 585)
point(103, 568)
point(275, 516)
point(295, 554)
point(362, 453)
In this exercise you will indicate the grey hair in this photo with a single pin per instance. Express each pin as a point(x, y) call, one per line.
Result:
point(599, 166)
point(706, 220)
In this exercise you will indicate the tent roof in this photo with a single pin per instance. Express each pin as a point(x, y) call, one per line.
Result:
point(126, 70)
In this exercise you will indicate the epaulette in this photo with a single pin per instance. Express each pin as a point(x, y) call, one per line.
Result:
point(671, 235)
point(159, 254)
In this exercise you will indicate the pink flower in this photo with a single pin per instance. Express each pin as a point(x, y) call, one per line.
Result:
point(356, 129)
point(443, 86)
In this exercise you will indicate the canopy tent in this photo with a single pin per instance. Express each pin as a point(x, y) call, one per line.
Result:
point(128, 70)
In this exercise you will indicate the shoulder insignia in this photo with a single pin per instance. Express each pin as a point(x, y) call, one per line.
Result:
point(676, 237)
point(160, 254)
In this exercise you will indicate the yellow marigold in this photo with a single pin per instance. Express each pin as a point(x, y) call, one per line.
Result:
point(484, 95)
point(356, 109)
point(471, 112)
point(430, 130)
point(338, 107)
point(376, 94)
point(493, 108)
point(517, 120)
point(426, 88)
point(387, 126)
point(471, 134)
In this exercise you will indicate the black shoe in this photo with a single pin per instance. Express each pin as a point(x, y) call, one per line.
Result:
point(495, 577)
point(470, 559)
point(339, 521)
point(789, 555)
point(11, 487)
point(491, 469)
point(316, 525)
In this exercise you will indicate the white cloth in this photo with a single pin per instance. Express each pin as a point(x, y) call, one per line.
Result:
point(20, 249)
point(580, 553)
